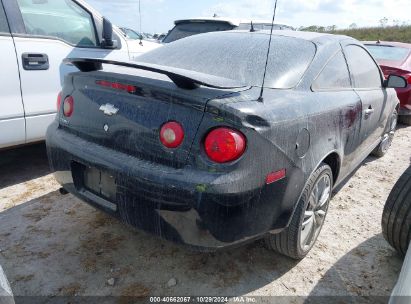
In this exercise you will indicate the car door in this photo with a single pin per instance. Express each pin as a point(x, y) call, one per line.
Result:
point(333, 87)
point(368, 84)
point(46, 32)
point(12, 125)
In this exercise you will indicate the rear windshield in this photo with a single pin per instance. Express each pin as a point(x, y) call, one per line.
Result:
point(239, 56)
point(187, 29)
point(389, 53)
point(264, 26)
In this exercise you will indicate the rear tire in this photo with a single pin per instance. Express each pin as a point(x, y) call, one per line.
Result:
point(396, 219)
point(388, 137)
point(308, 219)
point(405, 119)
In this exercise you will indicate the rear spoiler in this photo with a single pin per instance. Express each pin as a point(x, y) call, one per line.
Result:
point(184, 79)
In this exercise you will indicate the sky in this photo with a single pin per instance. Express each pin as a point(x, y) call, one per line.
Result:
point(158, 15)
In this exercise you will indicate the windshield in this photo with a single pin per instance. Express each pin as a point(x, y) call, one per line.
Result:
point(187, 29)
point(389, 53)
point(239, 56)
point(131, 34)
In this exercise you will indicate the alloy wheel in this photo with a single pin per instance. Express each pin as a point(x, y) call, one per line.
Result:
point(314, 215)
point(389, 137)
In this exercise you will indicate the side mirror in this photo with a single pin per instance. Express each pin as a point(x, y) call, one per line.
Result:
point(396, 82)
point(108, 41)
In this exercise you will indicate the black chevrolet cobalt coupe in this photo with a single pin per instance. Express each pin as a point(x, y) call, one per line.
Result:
point(206, 143)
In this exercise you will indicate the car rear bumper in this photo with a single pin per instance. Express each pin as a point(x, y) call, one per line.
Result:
point(404, 95)
point(405, 111)
point(180, 205)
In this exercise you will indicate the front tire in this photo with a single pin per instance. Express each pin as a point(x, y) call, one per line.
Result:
point(308, 219)
point(388, 137)
point(405, 119)
point(396, 219)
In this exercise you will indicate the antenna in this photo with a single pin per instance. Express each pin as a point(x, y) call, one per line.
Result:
point(268, 53)
point(252, 30)
point(139, 12)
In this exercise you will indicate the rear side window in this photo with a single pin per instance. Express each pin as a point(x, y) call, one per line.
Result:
point(4, 27)
point(183, 30)
point(239, 56)
point(334, 76)
point(59, 19)
point(364, 71)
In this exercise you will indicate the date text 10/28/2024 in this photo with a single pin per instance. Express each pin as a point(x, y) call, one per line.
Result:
point(240, 299)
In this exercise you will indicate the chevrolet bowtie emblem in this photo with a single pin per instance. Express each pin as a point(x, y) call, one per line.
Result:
point(109, 109)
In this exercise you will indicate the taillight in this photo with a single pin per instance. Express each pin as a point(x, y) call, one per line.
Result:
point(224, 145)
point(117, 86)
point(172, 134)
point(59, 101)
point(68, 106)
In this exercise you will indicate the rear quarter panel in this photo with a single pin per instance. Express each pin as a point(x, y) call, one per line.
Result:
point(328, 121)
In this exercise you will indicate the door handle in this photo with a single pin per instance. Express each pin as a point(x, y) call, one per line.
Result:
point(369, 111)
point(35, 61)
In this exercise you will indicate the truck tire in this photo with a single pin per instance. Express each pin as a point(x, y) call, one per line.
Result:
point(308, 219)
point(396, 219)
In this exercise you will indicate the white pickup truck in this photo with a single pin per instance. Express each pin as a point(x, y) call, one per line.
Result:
point(35, 37)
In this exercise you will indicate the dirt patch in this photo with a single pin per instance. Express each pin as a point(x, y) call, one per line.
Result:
point(101, 243)
point(24, 278)
point(97, 249)
point(100, 220)
point(70, 290)
point(137, 290)
point(38, 213)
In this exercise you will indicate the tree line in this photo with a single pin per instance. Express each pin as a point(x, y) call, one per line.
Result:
point(394, 30)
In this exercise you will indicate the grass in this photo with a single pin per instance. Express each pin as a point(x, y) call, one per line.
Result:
point(393, 33)
point(389, 33)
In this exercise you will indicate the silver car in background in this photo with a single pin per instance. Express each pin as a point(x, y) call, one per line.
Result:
point(189, 27)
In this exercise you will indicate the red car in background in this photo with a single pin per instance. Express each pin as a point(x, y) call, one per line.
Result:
point(395, 58)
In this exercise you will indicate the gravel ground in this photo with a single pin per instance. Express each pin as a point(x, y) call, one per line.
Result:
point(56, 245)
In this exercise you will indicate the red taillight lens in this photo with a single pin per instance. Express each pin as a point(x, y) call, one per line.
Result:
point(117, 86)
point(68, 106)
point(408, 77)
point(172, 134)
point(59, 101)
point(224, 145)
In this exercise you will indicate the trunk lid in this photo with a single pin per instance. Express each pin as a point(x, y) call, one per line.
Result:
point(134, 127)
point(391, 70)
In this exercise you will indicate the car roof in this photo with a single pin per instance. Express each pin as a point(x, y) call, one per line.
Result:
point(318, 38)
point(388, 43)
